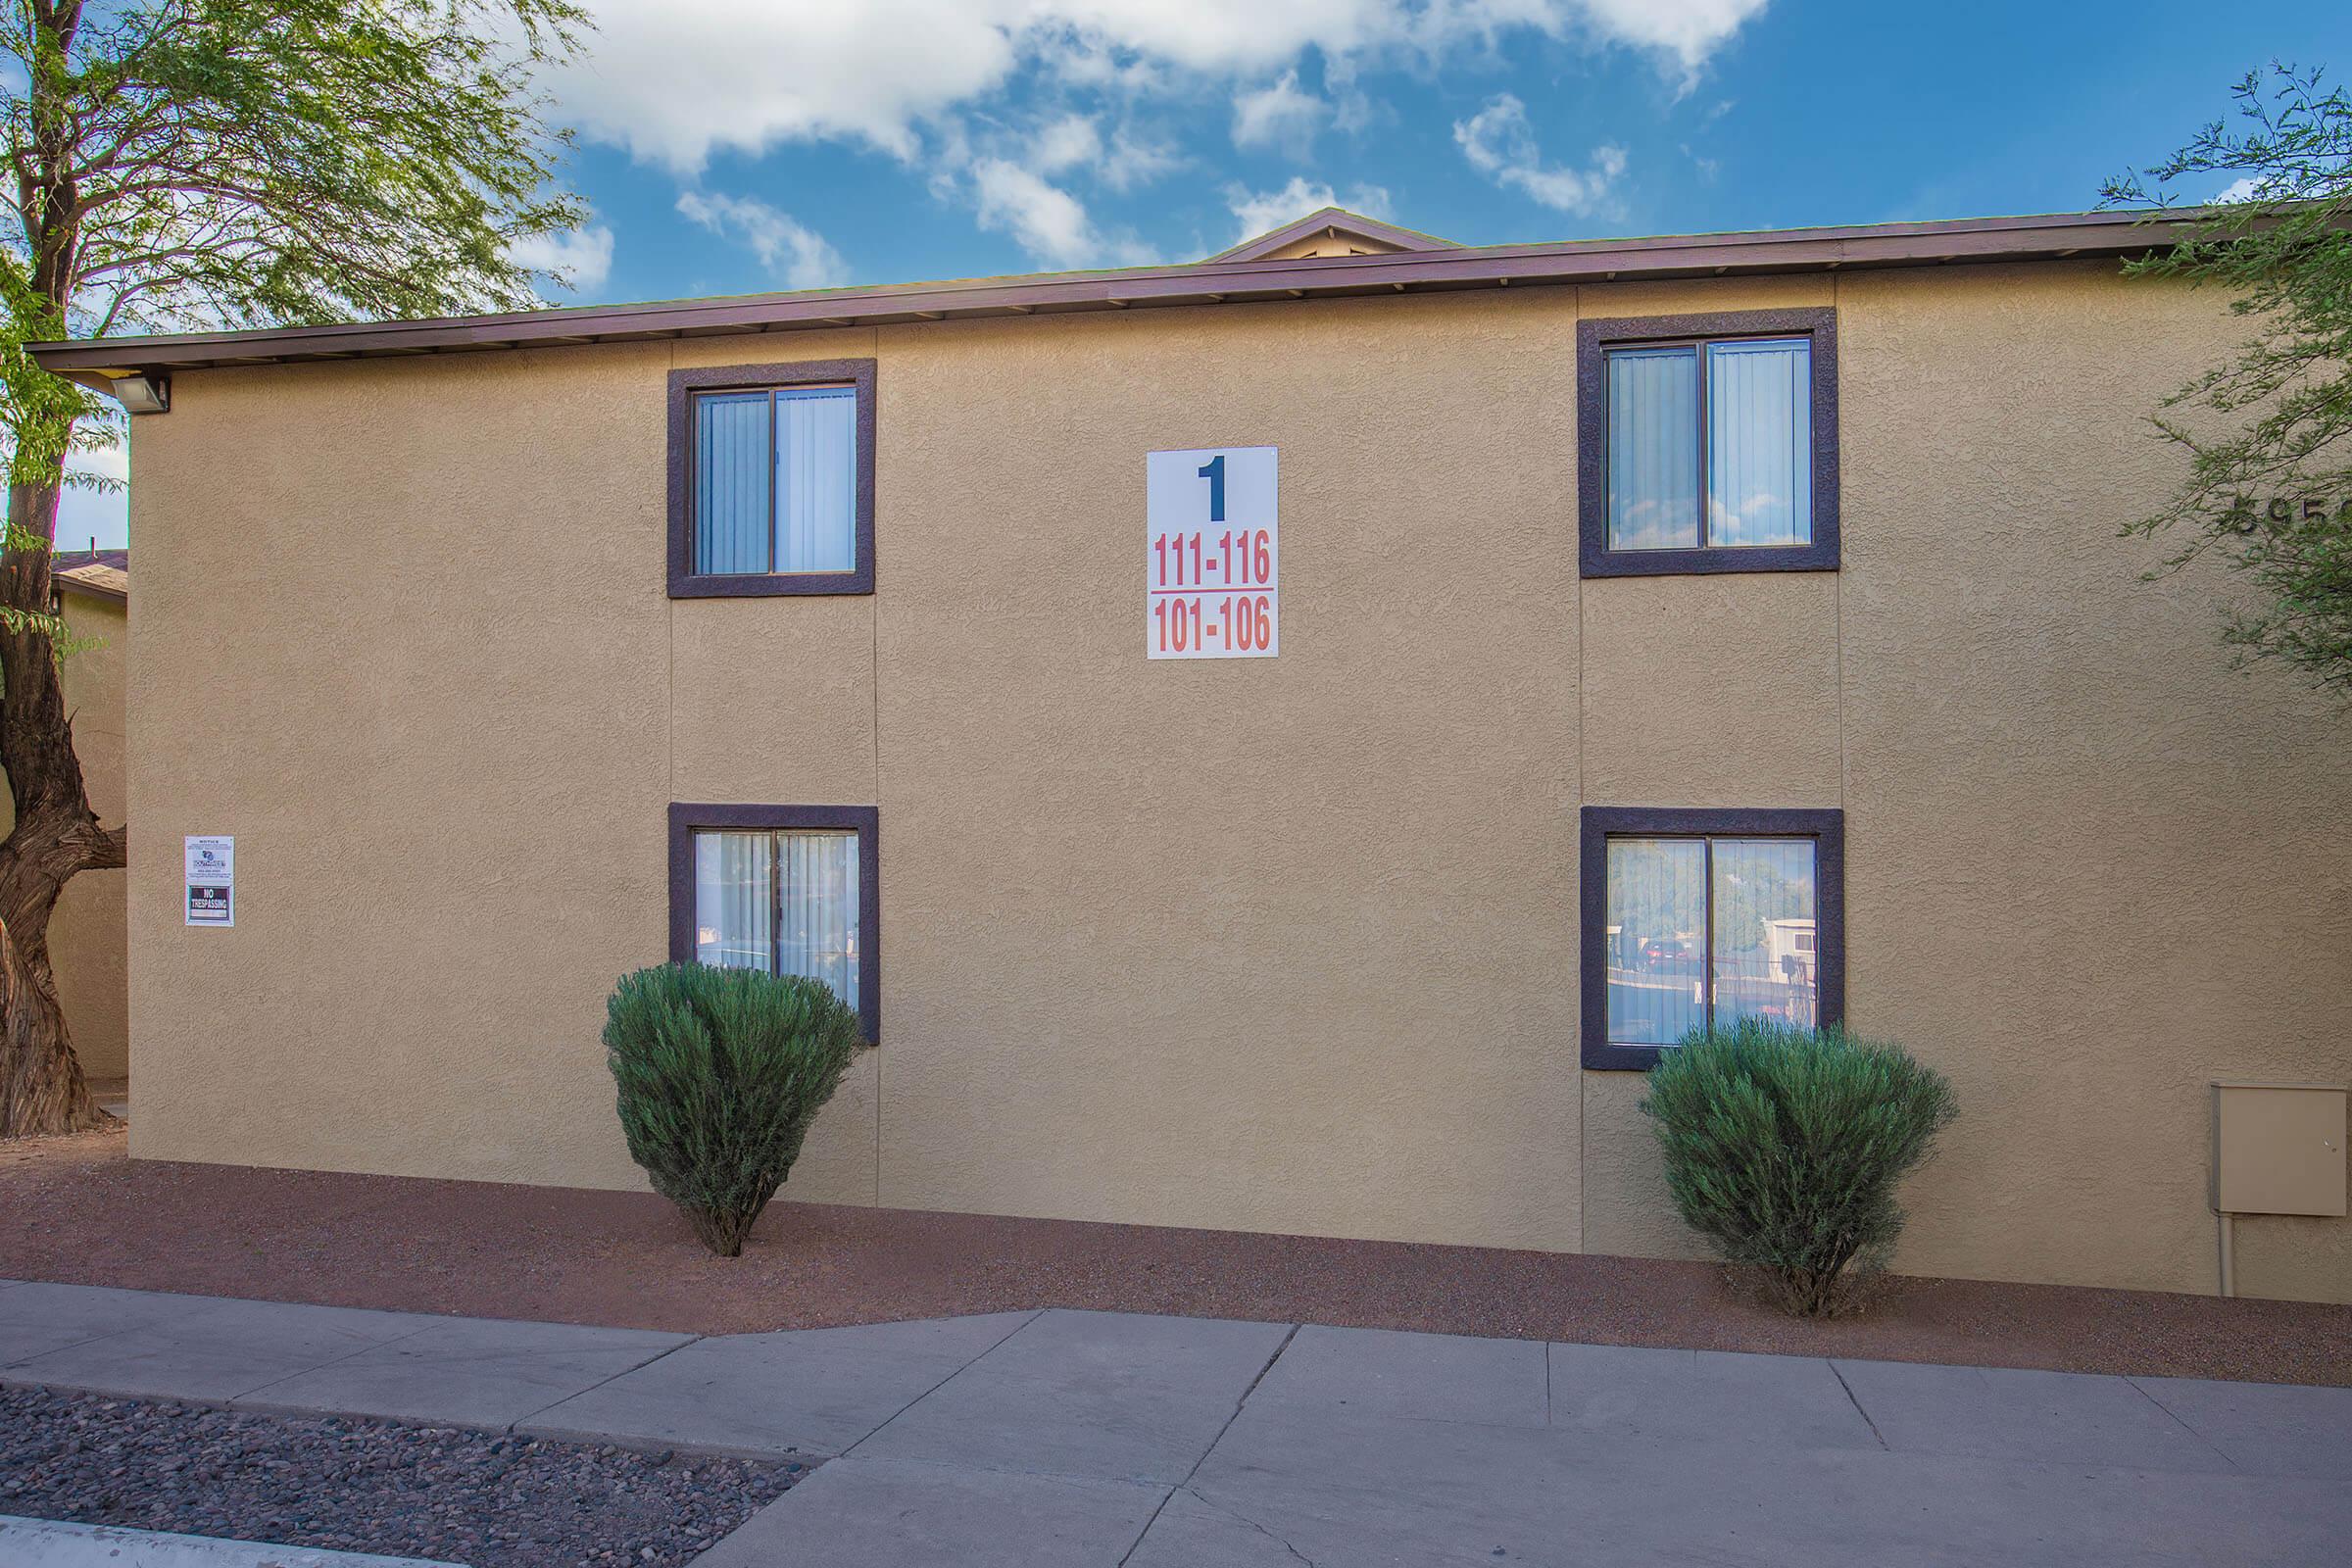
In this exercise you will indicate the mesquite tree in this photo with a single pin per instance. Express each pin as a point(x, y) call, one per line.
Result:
point(2269, 487)
point(192, 164)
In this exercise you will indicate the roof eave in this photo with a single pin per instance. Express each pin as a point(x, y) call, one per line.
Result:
point(90, 590)
point(2070, 235)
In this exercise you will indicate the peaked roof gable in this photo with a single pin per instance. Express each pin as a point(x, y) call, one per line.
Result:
point(1357, 236)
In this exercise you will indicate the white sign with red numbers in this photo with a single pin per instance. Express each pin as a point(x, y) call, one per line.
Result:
point(1213, 554)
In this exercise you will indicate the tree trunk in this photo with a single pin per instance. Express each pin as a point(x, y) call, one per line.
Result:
point(41, 1086)
point(55, 836)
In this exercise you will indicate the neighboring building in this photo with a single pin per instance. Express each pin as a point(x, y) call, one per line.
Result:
point(821, 630)
point(87, 947)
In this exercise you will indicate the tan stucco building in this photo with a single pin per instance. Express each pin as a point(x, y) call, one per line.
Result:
point(1774, 574)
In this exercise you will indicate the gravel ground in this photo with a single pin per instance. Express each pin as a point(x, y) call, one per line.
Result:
point(76, 1209)
point(473, 1497)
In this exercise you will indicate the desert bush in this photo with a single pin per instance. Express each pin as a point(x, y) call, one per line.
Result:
point(1784, 1147)
point(718, 1073)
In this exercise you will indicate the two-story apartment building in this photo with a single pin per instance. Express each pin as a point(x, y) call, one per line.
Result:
point(1278, 743)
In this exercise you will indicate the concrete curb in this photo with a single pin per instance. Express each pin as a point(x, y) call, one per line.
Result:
point(48, 1544)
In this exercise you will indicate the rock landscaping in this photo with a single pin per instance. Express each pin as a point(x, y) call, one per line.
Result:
point(76, 1210)
point(485, 1500)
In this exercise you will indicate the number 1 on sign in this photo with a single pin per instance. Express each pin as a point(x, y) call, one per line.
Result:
point(1212, 553)
point(1214, 471)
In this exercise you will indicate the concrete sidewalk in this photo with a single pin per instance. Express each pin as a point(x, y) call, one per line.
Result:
point(1056, 1438)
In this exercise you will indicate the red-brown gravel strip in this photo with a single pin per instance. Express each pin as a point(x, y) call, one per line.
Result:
point(76, 1210)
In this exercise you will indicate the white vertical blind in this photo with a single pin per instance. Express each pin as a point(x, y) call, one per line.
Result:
point(734, 900)
point(1760, 442)
point(1657, 912)
point(732, 504)
point(1653, 448)
point(1765, 957)
point(816, 479)
point(817, 898)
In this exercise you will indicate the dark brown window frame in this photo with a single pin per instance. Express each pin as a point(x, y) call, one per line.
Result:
point(1594, 339)
point(1598, 824)
point(685, 387)
point(687, 819)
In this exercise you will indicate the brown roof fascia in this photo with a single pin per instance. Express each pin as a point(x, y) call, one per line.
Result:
point(1340, 220)
point(1999, 239)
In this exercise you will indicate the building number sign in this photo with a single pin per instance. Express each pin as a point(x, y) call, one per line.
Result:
point(2250, 514)
point(1213, 554)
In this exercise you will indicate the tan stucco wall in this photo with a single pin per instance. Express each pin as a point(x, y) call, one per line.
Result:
point(88, 944)
point(1283, 945)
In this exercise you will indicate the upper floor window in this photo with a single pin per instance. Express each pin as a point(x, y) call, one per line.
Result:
point(772, 479)
point(1708, 443)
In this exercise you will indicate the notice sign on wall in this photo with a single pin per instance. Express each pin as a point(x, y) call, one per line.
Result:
point(212, 880)
point(1213, 554)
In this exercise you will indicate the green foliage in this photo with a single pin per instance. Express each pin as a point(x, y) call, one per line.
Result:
point(47, 421)
point(718, 1073)
point(257, 162)
point(2269, 434)
point(1784, 1147)
point(184, 164)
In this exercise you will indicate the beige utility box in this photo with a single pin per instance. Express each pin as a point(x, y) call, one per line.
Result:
point(2278, 1149)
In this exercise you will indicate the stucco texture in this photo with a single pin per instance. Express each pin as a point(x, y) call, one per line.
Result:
point(1233, 943)
point(1280, 945)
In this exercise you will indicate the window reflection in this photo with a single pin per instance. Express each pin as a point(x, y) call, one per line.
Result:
point(1705, 930)
point(1734, 418)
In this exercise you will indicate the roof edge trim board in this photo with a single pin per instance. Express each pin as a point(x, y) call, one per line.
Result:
point(2012, 239)
point(67, 584)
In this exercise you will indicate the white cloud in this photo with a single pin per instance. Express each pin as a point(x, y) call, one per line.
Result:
point(2244, 188)
point(1279, 114)
point(1017, 180)
point(784, 245)
point(1256, 212)
point(1048, 221)
point(583, 257)
point(1689, 29)
point(1500, 144)
point(675, 84)
point(1072, 141)
point(1065, 143)
point(1130, 161)
point(936, 83)
point(1353, 108)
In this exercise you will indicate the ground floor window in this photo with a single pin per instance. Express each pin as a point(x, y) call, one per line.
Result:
point(784, 889)
point(1697, 918)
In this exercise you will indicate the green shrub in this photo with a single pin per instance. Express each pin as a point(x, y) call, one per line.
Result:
point(718, 1073)
point(1784, 1147)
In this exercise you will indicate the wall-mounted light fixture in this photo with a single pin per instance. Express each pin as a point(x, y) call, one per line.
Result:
point(139, 393)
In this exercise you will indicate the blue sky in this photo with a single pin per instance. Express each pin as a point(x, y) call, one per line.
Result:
point(733, 146)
